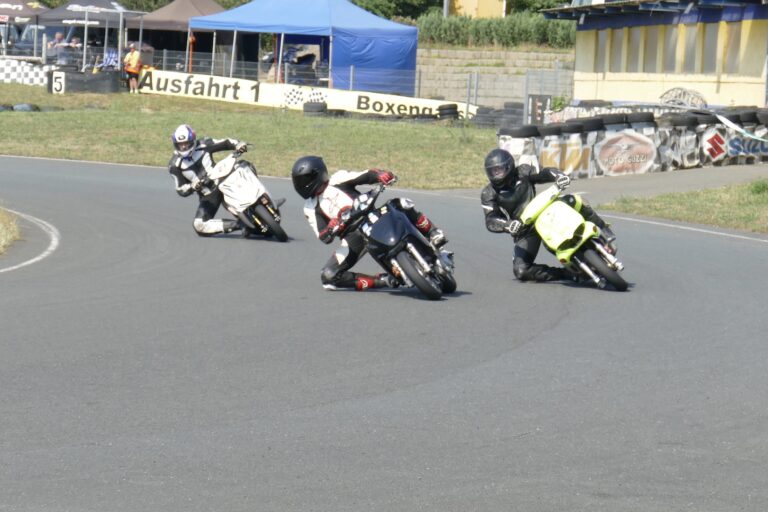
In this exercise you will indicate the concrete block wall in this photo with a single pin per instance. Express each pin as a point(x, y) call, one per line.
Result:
point(500, 75)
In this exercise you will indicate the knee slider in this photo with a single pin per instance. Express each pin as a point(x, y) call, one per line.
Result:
point(329, 276)
point(405, 203)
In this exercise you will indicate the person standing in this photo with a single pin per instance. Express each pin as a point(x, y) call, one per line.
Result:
point(132, 66)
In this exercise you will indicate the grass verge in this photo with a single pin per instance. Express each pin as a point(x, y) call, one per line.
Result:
point(9, 230)
point(743, 207)
point(136, 129)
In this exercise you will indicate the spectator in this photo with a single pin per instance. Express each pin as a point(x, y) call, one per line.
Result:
point(132, 64)
point(60, 49)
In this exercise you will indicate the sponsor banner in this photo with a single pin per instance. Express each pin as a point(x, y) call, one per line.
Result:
point(252, 92)
point(523, 150)
point(626, 152)
point(741, 146)
point(713, 144)
point(551, 151)
point(575, 156)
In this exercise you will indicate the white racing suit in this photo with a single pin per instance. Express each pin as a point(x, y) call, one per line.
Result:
point(190, 174)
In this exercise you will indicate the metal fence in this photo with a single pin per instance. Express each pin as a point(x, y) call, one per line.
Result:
point(505, 97)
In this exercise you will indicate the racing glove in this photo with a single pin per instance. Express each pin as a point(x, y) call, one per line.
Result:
point(385, 177)
point(562, 181)
point(241, 147)
point(514, 226)
point(334, 227)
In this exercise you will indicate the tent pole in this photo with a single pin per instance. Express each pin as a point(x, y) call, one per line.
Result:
point(141, 34)
point(85, 43)
point(280, 59)
point(186, 54)
point(106, 36)
point(120, 36)
point(232, 60)
point(213, 52)
point(34, 45)
point(330, 63)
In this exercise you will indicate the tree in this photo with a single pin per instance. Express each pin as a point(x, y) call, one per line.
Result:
point(404, 8)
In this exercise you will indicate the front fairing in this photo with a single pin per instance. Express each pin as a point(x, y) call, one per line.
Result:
point(563, 230)
point(386, 229)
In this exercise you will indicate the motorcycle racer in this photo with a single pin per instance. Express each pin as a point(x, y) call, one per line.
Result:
point(191, 159)
point(509, 190)
point(327, 198)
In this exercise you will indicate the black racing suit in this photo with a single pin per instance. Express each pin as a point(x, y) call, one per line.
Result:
point(337, 196)
point(507, 203)
point(189, 175)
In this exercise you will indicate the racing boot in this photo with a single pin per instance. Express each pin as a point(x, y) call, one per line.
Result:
point(435, 234)
point(364, 282)
point(231, 225)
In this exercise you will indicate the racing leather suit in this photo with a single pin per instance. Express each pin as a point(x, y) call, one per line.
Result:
point(189, 175)
point(337, 196)
point(506, 203)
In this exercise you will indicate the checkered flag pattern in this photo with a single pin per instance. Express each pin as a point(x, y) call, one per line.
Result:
point(299, 96)
point(294, 96)
point(14, 71)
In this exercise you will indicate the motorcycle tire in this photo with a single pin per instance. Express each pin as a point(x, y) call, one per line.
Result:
point(448, 283)
point(601, 267)
point(427, 285)
point(274, 227)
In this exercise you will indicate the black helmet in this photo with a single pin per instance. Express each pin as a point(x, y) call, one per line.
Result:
point(309, 175)
point(500, 168)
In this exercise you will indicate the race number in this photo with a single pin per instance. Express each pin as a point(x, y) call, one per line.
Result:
point(57, 85)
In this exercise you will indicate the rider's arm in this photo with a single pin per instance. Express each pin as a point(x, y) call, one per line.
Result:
point(215, 145)
point(545, 175)
point(182, 185)
point(495, 219)
point(352, 179)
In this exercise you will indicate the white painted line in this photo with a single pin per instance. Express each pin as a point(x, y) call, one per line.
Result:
point(49, 229)
point(688, 228)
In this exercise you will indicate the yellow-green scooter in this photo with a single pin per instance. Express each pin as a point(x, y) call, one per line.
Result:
point(575, 242)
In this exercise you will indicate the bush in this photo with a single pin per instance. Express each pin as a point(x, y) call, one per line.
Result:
point(513, 30)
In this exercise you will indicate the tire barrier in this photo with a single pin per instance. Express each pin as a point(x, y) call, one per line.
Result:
point(614, 144)
point(21, 107)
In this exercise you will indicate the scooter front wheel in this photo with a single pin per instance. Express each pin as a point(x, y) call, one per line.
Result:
point(597, 263)
point(266, 218)
point(425, 283)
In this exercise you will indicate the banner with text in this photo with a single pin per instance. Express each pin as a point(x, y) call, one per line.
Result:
point(251, 92)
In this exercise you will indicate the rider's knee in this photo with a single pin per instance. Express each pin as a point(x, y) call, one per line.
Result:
point(405, 204)
point(200, 228)
point(521, 269)
point(329, 276)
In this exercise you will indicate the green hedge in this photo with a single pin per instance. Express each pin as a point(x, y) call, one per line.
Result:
point(513, 30)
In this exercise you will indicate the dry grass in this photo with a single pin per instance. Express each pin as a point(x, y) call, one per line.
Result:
point(9, 230)
point(136, 129)
point(743, 207)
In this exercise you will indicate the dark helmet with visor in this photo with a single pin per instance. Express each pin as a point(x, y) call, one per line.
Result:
point(309, 175)
point(500, 168)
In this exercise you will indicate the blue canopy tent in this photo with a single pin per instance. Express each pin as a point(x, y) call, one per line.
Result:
point(376, 54)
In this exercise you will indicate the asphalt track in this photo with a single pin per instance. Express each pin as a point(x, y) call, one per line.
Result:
point(145, 369)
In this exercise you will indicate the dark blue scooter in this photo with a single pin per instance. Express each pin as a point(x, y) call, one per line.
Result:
point(395, 243)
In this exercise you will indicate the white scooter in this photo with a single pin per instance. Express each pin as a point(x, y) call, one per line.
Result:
point(246, 197)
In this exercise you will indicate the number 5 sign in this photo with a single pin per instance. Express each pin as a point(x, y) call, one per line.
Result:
point(57, 82)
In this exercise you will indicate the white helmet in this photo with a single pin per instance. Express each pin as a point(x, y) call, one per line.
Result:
point(184, 140)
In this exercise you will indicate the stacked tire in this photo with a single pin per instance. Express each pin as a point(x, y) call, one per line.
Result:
point(448, 111)
point(315, 109)
point(512, 115)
